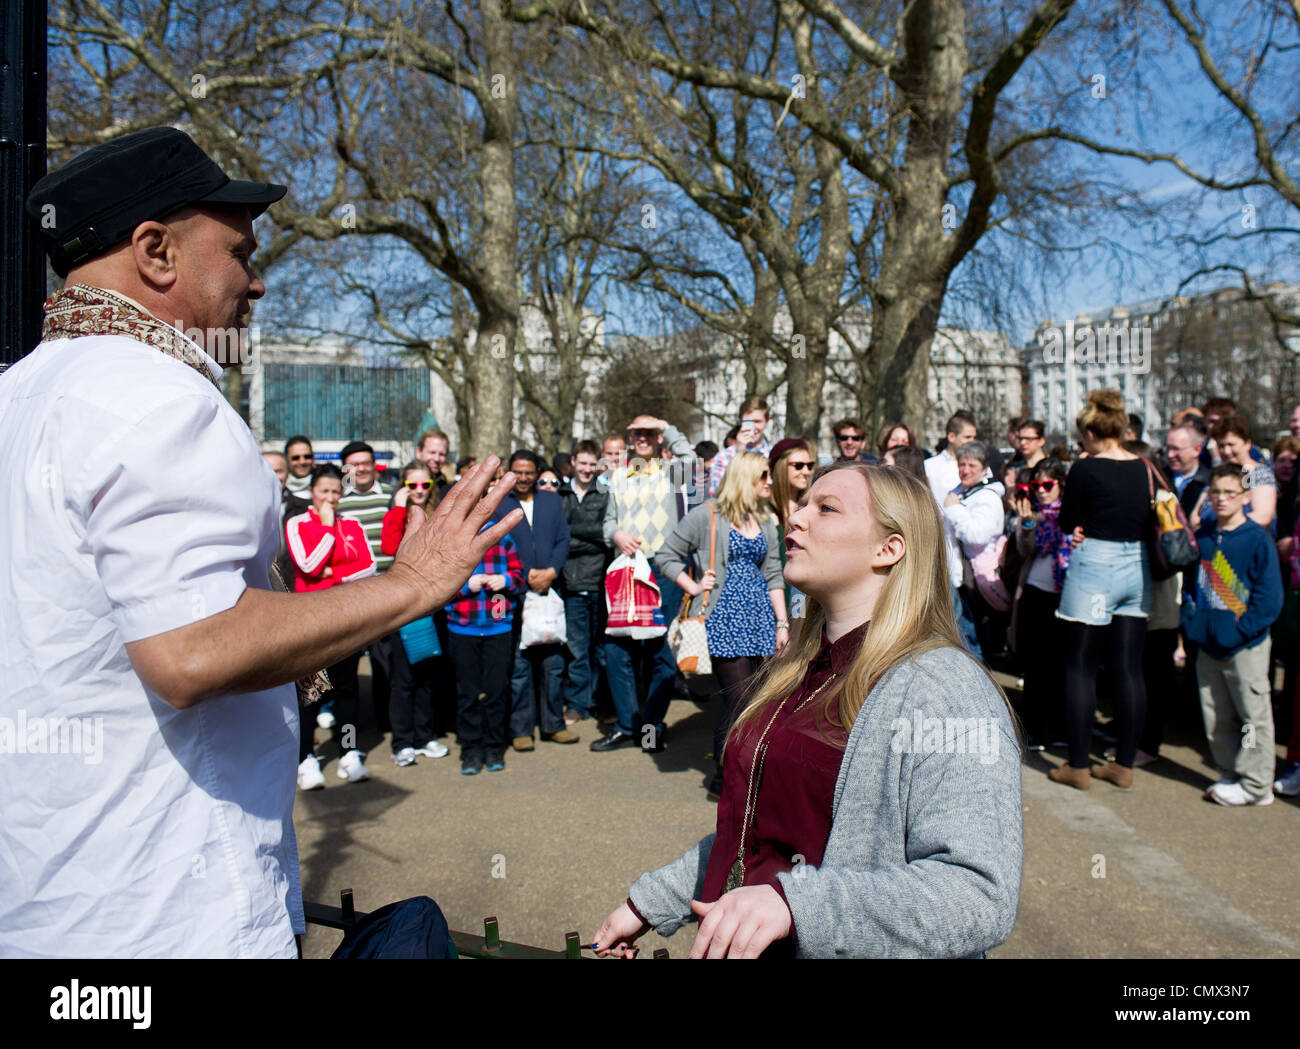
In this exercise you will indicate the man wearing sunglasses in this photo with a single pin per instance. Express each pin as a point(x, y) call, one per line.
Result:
point(851, 442)
point(301, 460)
point(640, 515)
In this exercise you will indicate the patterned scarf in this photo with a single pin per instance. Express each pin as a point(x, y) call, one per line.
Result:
point(81, 309)
point(1050, 542)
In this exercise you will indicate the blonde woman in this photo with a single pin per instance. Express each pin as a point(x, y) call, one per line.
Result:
point(871, 797)
point(745, 618)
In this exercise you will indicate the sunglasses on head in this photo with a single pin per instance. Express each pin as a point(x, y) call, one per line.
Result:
point(423, 485)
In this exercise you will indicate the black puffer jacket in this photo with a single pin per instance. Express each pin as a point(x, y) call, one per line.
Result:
point(588, 554)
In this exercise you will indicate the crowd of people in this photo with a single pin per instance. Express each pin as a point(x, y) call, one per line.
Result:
point(1047, 553)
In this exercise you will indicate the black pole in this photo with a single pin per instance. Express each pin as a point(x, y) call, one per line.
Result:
point(22, 163)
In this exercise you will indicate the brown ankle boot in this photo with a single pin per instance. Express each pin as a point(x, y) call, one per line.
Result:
point(1120, 775)
point(1081, 779)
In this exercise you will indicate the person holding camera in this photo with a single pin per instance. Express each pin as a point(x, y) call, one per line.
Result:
point(754, 417)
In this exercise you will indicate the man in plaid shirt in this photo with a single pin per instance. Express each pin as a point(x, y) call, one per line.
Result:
point(478, 643)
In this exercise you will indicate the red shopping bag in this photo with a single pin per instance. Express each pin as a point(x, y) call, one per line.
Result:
point(632, 599)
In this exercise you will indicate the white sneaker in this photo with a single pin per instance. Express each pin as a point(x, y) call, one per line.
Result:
point(432, 749)
point(1236, 794)
point(1288, 784)
point(310, 776)
point(404, 757)
point(352, 768)
point(325, 719)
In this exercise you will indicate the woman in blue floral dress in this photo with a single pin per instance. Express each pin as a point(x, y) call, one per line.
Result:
point(745, 614)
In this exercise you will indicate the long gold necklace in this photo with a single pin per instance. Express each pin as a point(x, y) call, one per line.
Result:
point(736, 876)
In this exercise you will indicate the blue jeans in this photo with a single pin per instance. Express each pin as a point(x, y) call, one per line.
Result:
point(584, 627)
point(965, 624)
point(1106, 578)
point(535, 689)
point(623, 657)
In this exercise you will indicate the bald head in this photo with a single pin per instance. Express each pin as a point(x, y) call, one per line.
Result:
point(191, 269)
point(279, 465)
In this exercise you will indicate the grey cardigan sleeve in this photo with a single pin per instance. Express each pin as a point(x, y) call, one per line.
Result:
point(690, 536)
point(664, 896)
point(772, 562)
point(609, 525)
point(955, 895)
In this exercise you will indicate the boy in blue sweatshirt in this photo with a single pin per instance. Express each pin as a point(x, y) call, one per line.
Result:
point(1229, 603)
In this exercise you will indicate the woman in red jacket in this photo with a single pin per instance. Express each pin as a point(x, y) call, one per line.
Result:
point(410, 692)
point(329, 548)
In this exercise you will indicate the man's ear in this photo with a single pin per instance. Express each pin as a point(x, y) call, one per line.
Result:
point(153, 247)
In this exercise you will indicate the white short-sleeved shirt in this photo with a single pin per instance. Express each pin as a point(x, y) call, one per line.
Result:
point(135, 502)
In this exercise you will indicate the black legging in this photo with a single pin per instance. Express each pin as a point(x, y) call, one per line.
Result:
point(1083, 644)
point(733, 683)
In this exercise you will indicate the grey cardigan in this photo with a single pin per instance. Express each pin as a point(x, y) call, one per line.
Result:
point(691, 538)
point(924, 854)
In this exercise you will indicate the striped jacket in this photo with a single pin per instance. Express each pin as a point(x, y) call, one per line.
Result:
point(340, 548)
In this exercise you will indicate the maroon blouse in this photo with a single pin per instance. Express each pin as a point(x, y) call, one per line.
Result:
point(796, 789)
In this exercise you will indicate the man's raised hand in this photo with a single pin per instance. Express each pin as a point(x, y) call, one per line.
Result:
point(438, 555)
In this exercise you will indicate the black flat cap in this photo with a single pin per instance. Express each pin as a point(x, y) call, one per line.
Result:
point(100, 197)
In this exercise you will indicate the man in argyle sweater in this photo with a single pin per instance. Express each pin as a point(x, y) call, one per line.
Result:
point(641, 513)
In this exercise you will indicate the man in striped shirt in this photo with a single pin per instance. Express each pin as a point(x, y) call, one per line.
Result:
point(364, 497)
point(367, 500)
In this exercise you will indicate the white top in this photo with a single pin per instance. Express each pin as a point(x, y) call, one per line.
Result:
point(135, 502)
point(528, 510)
point(941, 472)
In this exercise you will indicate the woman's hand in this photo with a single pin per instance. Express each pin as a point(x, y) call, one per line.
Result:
point(403, 496)
point(618, 932)
point(1077, 536)
point(707, 582)
point(326, 515)
point(1026, 509)
point(743, 924)
point(495, 583)
point(475, 582)
point(951, 499)
point(782, 638)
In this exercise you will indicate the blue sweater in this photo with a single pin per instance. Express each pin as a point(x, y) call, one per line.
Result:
point(1235, 594)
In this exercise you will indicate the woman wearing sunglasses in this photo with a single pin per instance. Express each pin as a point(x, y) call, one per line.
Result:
point(745, 617)
point(1036, 635)
point(410, 695)
point(792, 463)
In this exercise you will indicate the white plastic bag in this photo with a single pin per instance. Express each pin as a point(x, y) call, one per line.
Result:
point(543, 619)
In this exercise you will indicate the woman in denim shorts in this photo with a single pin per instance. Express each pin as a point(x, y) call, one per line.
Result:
point(1107, 507)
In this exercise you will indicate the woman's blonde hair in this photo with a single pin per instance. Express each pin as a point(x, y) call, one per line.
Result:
point(781, 490)
point(736, 496)
point(913, 613)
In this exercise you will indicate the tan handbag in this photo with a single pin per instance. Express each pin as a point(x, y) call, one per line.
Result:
point(686, 636)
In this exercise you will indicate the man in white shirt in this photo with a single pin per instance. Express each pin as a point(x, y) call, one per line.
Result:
point(148, 728)
point(941, 470)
